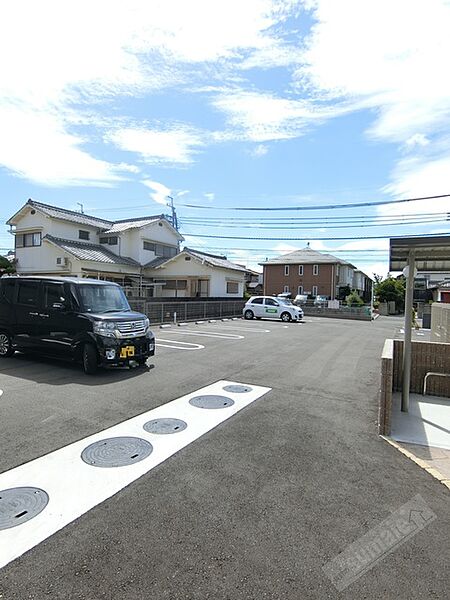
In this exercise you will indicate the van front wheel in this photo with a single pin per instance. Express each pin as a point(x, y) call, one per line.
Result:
point(90, 360)
point(6, 348)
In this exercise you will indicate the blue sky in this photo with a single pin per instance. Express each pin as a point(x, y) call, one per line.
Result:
point(253, 103)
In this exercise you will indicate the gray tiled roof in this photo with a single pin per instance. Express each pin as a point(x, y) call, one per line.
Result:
point(215, 261)
point(210, 259)
point(70, 215)
point(305, 256)
point(94, 252)
point(133, 223)
point(155, 262)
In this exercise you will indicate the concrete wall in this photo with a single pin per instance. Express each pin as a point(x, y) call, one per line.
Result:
point(440, 322)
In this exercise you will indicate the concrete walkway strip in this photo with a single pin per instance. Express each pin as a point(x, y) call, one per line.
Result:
point(43, 496)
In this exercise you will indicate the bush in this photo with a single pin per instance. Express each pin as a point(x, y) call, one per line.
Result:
point(354, 299)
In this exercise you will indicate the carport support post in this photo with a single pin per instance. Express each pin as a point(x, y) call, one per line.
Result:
point(408, 329)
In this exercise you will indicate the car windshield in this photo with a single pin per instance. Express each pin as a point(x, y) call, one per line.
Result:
point(284, 301)
point(103, 298)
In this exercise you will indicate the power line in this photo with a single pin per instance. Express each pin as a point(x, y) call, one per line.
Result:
point(306, 239)
point(309, 207)
point(323, 226)
point(332, 219)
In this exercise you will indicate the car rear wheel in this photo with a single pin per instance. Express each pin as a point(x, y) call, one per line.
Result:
point(286, 317)
point(90, 360)
point(248, 314)
point(6, 348)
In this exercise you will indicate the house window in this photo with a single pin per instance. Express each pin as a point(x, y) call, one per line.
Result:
point(286, 289)
point(165, 251)
point(175, 284)
point(314, 290)
point(232, 287)
point(315, 269)
point(149, 246)
point(27, 240)
point(83, 235)
point(300, 290)
point(111, 241)
point(300, 270)
point(286, 270)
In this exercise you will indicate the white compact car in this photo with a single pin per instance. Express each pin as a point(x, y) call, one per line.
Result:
point(268, 307)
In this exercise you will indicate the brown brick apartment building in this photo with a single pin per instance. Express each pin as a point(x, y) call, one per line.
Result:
point(307, 271)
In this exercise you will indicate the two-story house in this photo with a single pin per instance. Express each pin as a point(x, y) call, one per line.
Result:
point(52, 240)
point(307, 271)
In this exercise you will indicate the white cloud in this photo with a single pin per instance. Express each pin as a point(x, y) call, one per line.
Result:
point(177, 145)
point(390, 57)
point(418, 139)
point(35, 145)
point(159, 191)
point(63, 57)
point(210, 196)
point(259, 150)
point(261, 117)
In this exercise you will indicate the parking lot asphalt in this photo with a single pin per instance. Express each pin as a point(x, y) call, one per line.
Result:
point(253, 508)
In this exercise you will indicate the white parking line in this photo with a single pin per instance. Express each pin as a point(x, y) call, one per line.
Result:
point(253, 330)
point(225, 336)
point(176, 344)
point(74, 487)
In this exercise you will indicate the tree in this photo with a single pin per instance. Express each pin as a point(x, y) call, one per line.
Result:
point(6, 266)
point(391, 290)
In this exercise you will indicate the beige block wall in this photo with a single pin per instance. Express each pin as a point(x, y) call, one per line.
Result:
point(425, 357)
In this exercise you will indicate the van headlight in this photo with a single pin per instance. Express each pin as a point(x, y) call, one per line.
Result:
point(105, 328)
point(146, 324)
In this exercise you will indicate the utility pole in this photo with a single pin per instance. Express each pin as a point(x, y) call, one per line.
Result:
point(174, 212)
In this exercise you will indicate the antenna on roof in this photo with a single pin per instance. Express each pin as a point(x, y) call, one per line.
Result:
point(81, 208)
point(307, 245)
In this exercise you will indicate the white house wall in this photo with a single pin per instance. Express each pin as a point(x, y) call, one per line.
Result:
point(193, 269)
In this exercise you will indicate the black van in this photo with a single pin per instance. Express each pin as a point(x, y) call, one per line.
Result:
point(81, 319)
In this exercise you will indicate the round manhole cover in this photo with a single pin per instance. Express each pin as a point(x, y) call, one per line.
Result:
point(163, 426)
point(237, 389)
point(18, 505)
point(116, 452)
point(211, 401)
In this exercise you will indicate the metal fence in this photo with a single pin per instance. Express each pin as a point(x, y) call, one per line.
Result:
point(360, 313)
point(164, 312)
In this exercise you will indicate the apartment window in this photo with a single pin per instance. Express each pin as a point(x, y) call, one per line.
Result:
point(286, 289)
point(315, 290)
point(300, 290)
point(286, 270)
point(315, 269)
point(300, 270)
point(149, 246)
point(83, 235)
point(27, 240)
point(232, 287)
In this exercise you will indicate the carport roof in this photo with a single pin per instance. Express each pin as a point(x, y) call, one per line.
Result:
point(432, 253)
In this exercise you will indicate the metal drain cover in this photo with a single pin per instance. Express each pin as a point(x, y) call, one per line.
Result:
point(18, 505)
point(116, 452)
point(211, 401)
point(237, 389)
point(163, 426)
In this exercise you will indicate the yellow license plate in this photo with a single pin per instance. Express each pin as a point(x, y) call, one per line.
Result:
point(127, 351)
